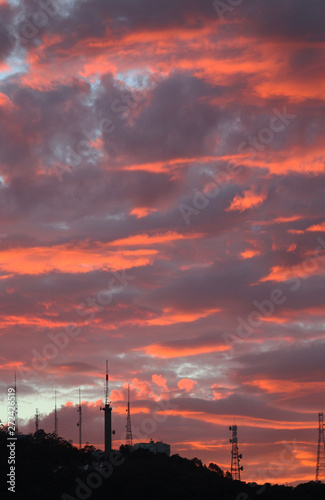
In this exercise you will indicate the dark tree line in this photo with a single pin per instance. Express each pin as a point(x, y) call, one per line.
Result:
point(49, 467)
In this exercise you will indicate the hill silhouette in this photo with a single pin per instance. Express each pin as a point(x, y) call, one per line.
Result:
point(51, 468)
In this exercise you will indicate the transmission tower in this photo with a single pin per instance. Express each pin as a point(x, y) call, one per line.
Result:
point(128, 441)
point(320, 465)
point(55, 415)
point(36, 420)
point(108, 416)
point(16, 407)
point(79, 424)
point(235, 457)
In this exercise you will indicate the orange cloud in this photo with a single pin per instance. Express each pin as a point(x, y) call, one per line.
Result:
point(249, 253)
point(160, 381)
point(292, 247)
point(317, 227)
point(250, 199)
point(162, 166)
point(164, 351)
point(308, 267)
point(279, 220)
point(11, 366)
point(145, 239)
point(144, 389)
point(186, 384)
point(135, 410)
point(71, 258)
point(241, 420)
point(32, 320)
point(5, 101)
point(171, 317)
point(140, 212)
point(287, 386)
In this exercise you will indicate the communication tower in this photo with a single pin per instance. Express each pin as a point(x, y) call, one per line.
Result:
point(108, 416)
point(36, 420)
point(320, 465)
point(128, 422)
point(55, 416)
point(235, 457)
point(79, 424)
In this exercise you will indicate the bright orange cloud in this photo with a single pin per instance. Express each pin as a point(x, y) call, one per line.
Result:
point(186, 384)
point(241, 420)
point(11, 366)
point(140, 212)
point(71, 258)
point(145, 239)
point(317, 227)
point(170, 317)
point(5, 101)
point(250, 199)
point(249, 253)
point(287, 386)
point(144, 389)
point(162, 351)
point(279, 220)
point(310, 266)
point(160, 381)
point(292, 247)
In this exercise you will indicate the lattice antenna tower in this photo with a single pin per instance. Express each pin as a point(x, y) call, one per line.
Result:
point(235, 457)
point(320, 464)
point(79, 424)
point(16, 406)
point(56, 420)
point(36, 420)
point(128, 441)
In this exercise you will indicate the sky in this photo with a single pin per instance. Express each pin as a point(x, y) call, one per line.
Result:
point(162, 207)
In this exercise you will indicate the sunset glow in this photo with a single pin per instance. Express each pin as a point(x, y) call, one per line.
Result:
point(162, 207)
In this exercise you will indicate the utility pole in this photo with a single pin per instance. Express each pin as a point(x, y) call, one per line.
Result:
point(79, 424)
point(320, 465)
point(235, 457)
point(128, 441)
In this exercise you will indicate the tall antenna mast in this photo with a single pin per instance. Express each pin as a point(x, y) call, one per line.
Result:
point(80, 422)
point(320, 464)
point(16, 406)
point(106, 386)
point(108, 416)
point(128, 441)
point(235, 457)
point(36, 420)
point(55, 415)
